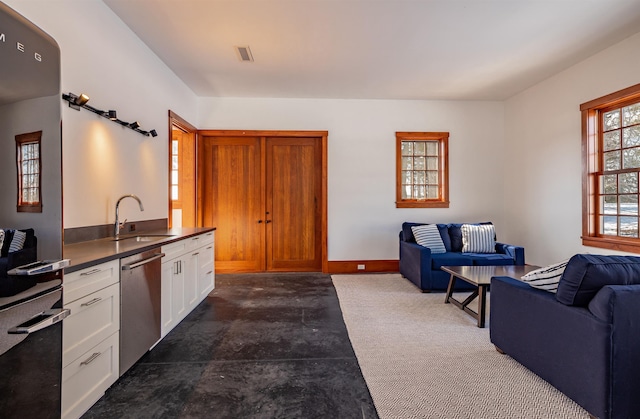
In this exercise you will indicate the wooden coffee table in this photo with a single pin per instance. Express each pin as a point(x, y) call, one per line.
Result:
point(480, 276)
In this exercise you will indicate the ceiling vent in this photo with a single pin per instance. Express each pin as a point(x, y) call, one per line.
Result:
point(245, 54)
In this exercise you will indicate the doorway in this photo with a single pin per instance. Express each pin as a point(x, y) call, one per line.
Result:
point(182, 172)
point(265, 192)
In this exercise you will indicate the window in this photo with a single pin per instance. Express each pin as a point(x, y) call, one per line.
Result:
point(611, 167)
point(29, 169)
point(422, 174)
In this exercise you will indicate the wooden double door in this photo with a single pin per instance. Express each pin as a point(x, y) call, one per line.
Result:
point(265, 194)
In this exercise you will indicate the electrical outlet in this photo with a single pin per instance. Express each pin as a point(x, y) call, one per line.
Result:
point(132, 227)
point(361, 267)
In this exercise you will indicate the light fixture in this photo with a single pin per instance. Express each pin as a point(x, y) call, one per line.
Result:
point(76, 102)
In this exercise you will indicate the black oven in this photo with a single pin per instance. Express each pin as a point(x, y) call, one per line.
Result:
point(31, 352)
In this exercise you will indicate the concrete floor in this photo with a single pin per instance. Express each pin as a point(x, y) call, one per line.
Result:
point(260, 346)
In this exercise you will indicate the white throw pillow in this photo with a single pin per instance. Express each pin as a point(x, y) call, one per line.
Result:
point(546, 278)
point(17, 243)
point(428, 235)
point(478, 238)
point(1, 238)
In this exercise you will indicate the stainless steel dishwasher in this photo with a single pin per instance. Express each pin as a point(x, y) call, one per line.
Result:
point(139, 305)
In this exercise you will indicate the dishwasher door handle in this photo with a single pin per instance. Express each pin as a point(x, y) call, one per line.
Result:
point(142, 262)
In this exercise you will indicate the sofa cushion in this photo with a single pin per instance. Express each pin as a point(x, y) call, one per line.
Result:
point(428, 235)
point(488, 259)
point(546, 278)
point(455, 233)
point(17, 242)
point(478, 238)
point(450, 259)
point(586, 274)
point(8, 235)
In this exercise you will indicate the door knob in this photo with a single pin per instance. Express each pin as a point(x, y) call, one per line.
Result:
point(268, 221)
point(259, 221)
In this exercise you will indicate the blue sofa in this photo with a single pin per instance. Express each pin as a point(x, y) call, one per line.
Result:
point(420, 266)
point(584, 340)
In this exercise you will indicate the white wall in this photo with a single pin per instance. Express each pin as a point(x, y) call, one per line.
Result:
point(543, 167)
point(103, 58)
point(363, 220)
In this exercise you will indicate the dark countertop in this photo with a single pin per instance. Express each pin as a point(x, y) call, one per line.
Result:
point(84, 254)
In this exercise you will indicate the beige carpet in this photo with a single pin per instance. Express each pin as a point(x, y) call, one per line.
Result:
point(424, 359)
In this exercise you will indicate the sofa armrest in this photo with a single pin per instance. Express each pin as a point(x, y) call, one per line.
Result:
point(567, 346)
point(22, 257)
point(516, 252)
point(415, 264)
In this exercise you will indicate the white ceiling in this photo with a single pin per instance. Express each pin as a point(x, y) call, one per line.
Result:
point(375, 49)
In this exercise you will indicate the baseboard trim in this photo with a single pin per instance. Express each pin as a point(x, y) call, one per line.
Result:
point(351, 266)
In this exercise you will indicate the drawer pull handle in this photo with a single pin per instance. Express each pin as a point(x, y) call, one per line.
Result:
point(209, 273)
point(195, 254)
point(91, 272)
point(91, 302)
point(91, 358)
point(210, 247)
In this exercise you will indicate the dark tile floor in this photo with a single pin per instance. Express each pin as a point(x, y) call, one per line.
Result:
point(260, 346)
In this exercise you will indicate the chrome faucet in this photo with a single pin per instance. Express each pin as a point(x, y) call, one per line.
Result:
point(118, 226)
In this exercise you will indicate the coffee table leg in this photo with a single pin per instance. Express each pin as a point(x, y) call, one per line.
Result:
point(450, 287)
point(482, 304)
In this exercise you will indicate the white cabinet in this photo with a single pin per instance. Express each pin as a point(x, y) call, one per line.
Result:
point(90, 336)
point(185, 282)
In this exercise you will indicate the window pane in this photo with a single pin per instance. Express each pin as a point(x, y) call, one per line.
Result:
point(432, 178)
point(630, 136)
point(174, 147)
point(419, 178)
point(174, 162)
point(611, 120)
point(419, 192)
point(406, 192)
point(628, 183)
point(631, 115)
point(631, 158)
point(628, 226)
point(629, 204)
point(611, 140)
point(612, 160)
point(407, 148)
point(406, 177)
point(609, 225)
point(432, 163)
point(419, 148)
point(432, 192)
point(432, 148)
point(419, 163)
point(407, 163)
point(609, 204)
point(174, 193)
point(174, 177)
point(608, 184)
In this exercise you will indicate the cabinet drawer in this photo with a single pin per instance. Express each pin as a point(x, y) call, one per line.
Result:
point(85, 380)
point(206, 238)
point(174, 250)
point(93, 318)
point(84, 282)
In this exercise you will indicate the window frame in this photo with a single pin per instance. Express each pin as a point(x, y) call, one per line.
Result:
point(21, 140)
point(593, 165)
point(443, 169)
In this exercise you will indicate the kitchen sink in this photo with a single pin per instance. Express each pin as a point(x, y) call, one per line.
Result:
point(144, 237)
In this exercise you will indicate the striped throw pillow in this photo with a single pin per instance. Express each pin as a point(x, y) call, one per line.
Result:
point(478, 238)
point(17, 243)
point(546, 278)
point(428, 235)
point(1, 238)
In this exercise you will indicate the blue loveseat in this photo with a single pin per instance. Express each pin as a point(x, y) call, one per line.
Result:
point(422, 267)
point(584, 340)
point(10, 284)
